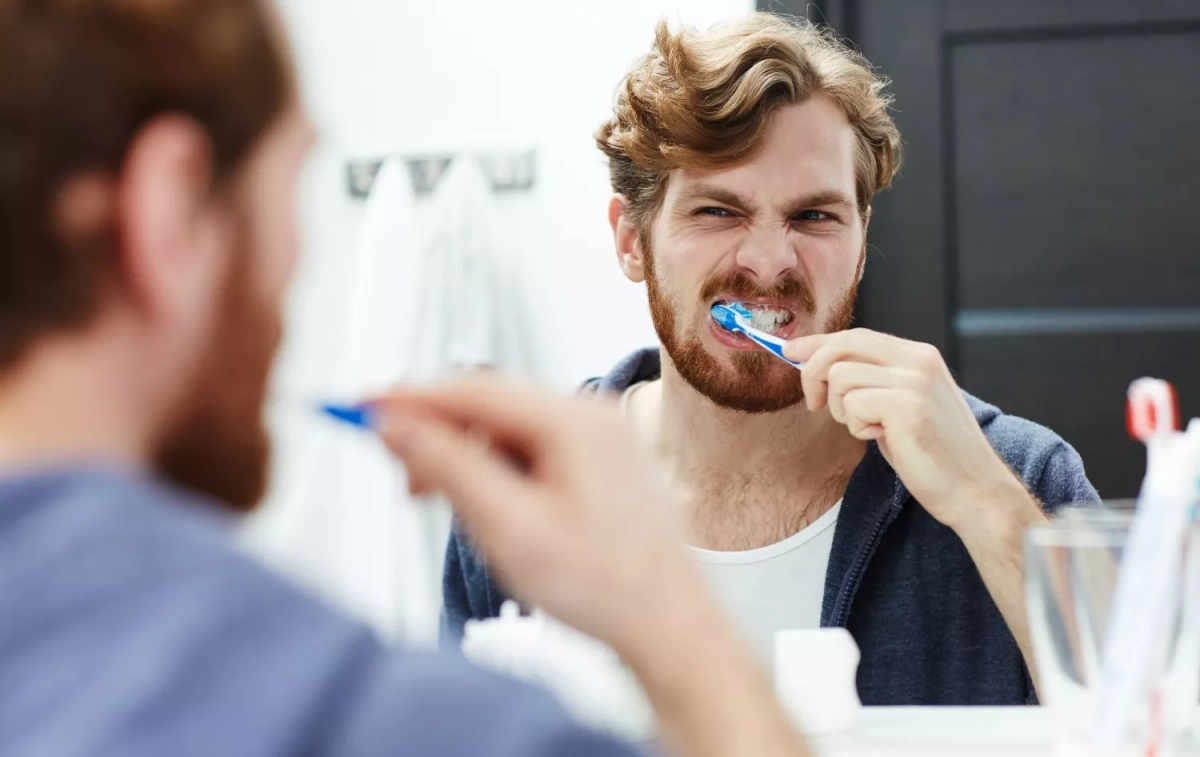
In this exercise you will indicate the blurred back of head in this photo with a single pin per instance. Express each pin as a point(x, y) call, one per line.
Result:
point(705, 99)
point(148, 152)
point(81, 79)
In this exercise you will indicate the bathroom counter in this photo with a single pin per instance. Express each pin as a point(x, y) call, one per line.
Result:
point(935, 731)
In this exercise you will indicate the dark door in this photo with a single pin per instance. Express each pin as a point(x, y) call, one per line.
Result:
point(1045, 230)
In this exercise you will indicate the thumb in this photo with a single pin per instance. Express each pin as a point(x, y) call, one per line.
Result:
point(803, 348)
point(487, 492)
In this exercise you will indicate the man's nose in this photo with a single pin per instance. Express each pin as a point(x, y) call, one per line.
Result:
point(767, 254)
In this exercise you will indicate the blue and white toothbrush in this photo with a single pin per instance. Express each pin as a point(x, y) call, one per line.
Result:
point(735, 317)
point(362, 416)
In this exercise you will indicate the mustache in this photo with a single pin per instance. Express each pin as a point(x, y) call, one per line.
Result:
point(740, 285)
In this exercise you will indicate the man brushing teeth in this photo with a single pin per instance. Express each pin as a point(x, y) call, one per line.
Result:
point(776, 319)
point(865, 491)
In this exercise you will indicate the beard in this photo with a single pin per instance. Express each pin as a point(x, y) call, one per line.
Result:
point(757, 382)
point(219, 445)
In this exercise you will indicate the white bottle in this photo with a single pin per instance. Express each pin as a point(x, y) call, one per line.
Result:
point(815, 678)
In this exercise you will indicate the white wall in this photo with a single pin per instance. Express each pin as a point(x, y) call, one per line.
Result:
point(398, 76)
point(387, 77)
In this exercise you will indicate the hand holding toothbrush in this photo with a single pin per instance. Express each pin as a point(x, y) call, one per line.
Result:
point(901, 395)
point(552, 492)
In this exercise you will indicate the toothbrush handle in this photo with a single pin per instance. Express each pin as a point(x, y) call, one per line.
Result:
point(775, 345)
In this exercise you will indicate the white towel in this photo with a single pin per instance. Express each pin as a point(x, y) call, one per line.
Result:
point(431, 290)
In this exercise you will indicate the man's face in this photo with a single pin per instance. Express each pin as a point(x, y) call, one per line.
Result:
point(219, 444)
point(781, 233)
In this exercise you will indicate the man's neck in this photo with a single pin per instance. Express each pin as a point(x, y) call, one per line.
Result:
point(65, 406)
point(747, 480)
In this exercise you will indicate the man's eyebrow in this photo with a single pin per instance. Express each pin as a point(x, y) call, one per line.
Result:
point(716, 194)
point(823, 199)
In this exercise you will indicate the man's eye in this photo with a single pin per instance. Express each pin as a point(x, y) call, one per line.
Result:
point(814, 215)
point(715, 212)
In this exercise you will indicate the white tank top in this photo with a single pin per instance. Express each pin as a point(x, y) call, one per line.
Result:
point(776, 587)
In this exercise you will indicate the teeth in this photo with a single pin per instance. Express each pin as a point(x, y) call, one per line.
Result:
point(767, 319)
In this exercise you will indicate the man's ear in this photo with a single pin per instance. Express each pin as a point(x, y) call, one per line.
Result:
point(170, 235)
point(625, 236)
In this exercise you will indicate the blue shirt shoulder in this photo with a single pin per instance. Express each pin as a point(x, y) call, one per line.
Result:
point(130, 626)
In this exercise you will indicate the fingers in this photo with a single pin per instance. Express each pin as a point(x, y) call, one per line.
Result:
point(491, 497)
point(419, 488)
point(858, 346)
point(802, 348)
point(867, 410)
point(846, 377)
point(512, 415)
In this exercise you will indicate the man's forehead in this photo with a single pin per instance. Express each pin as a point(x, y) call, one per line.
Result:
point(808, 149)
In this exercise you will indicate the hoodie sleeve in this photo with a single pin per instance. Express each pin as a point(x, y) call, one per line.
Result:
point(1048, 465)
point(1063, 480)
